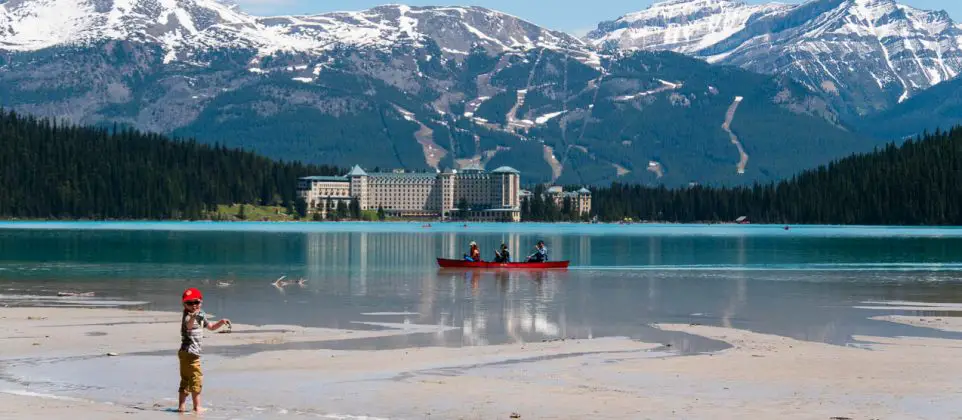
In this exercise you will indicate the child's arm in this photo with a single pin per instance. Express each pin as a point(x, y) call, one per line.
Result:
point(215, 326)
point(190, 320)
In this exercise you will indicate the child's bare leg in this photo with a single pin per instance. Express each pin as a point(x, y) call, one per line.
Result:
point(196, 397)
point(182, 402)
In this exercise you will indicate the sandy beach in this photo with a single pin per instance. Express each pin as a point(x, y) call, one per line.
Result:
point(55, 365)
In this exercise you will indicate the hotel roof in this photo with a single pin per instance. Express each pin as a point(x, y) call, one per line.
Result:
point(431, 175)
point(325, 178)
point(506, 170)
point(474, 167)
point(356, 171)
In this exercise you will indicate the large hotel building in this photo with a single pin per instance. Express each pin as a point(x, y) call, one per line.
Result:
point(489, 196)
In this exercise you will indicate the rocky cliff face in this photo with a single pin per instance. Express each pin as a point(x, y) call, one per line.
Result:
point(685, 26)
point(867, 55)
point(419, 88)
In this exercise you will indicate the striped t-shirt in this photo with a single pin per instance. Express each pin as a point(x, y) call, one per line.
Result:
point(190, 341)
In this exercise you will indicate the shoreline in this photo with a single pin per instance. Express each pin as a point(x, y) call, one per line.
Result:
point(50, 353)
point(706, 223)
point(940, 231)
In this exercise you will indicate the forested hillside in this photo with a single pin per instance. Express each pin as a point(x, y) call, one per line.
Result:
point(917, 183)
point(558, 113)
point(937, 107)
point(60, 171)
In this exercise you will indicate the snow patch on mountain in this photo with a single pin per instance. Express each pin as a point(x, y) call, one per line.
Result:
point(183, 27)
point(685, 26)
point(547, 117)
point(38, 24)
point(665, 86)
point(879, 51)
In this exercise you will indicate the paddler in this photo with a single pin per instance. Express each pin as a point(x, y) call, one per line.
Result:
point(502, 255)
point(540, 255)
point(474, 255)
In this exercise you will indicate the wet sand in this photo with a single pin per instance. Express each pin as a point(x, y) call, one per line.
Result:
point(55, 365)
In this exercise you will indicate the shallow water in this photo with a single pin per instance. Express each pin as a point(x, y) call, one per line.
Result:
point(818, 283)
point(806, 282)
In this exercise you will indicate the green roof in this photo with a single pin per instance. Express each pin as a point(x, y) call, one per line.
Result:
point(325, 178)
point(356, 171)
point(431, 175)
point(506, 170)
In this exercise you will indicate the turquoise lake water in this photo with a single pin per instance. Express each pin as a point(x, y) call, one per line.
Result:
point(805, 282)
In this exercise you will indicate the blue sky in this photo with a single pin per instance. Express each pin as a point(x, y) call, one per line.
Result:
point(576, 16)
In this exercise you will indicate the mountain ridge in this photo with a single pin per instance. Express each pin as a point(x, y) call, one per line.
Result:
point(938, 108)
point(449, 87)
point(177, 24)
point(898, 50)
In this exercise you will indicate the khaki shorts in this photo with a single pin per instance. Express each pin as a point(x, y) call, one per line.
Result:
point(191, 378)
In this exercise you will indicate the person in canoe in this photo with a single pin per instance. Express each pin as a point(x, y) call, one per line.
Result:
point(502, 255)
point(474, 255)
point(540, 255)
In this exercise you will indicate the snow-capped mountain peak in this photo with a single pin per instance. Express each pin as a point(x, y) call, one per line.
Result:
point(37, 24)
point(683, 26)
point(876, 52)
point(183, 26)
point(455, 29)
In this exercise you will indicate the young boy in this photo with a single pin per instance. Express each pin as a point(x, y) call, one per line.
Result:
point(192, 327)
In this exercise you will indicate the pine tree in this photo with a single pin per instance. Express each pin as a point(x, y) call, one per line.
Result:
point(463, 208)
point(301, 207)
point(355, 208)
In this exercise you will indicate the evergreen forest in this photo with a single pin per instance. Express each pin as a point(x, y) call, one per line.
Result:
point(58, 171)
point(917, 183)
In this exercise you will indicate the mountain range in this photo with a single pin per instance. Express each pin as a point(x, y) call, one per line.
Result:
point(939, 107)
point(864, 55)
point(433, 87)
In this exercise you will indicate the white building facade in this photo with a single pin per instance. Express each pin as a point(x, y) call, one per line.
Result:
point(471, 193)
point(580, 200)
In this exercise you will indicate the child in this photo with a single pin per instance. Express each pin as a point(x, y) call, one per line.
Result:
point(192, 327)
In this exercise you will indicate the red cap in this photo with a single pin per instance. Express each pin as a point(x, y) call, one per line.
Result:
point(191, 294)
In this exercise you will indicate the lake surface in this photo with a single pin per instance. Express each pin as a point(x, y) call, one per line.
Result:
point(806, 282)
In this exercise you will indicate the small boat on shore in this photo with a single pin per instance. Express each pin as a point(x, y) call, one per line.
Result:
point(446, 263)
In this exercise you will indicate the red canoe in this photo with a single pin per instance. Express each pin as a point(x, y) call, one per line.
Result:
point(444, 263)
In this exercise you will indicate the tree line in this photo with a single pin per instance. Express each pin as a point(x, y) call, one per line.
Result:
point(53, 170)
point(916, 183)
point(541, 208)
